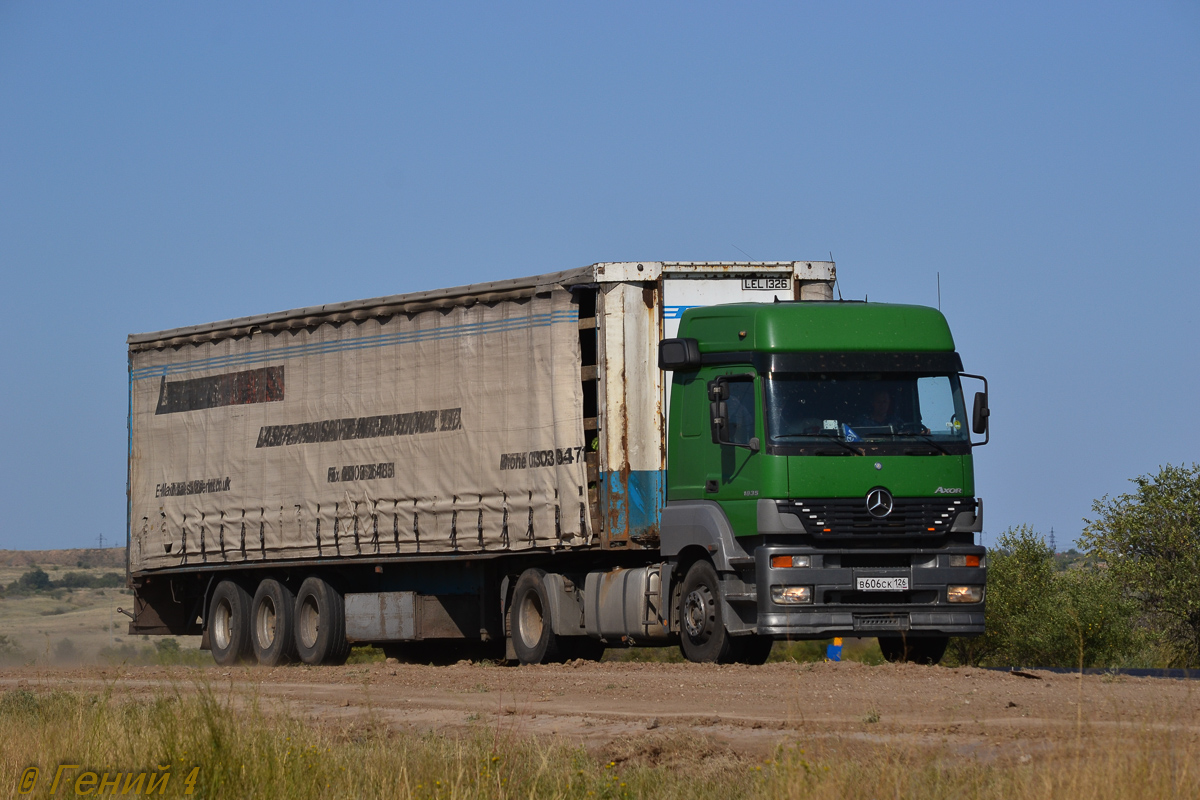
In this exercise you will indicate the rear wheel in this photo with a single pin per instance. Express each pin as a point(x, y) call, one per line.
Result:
point(702, 634)
point(532, 628)
point(918, 650)
point(229, 624)
point(274, 638)
point(320, 623)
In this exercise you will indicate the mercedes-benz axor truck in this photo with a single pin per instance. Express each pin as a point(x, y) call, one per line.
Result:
point(709, 455)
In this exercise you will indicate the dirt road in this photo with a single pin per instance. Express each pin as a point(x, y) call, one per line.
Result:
point(742, 710)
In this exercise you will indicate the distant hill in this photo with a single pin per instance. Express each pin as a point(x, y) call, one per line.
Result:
point(75, 557)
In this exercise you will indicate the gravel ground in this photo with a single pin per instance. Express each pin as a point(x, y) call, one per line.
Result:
point(747, 711)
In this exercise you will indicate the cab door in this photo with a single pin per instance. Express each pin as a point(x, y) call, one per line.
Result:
point(733, 466)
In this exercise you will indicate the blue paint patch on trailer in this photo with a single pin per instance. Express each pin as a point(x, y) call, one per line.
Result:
point(633, 502)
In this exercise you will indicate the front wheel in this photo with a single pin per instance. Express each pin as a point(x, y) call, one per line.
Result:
point(919, 650)
point(702, 634)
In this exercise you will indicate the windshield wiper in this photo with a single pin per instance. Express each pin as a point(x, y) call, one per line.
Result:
point(833, 437)
point(830, 437)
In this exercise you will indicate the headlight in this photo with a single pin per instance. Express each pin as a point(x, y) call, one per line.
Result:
point(964, 594)
point(965, 561)
point(791, 595)
point(787, 562)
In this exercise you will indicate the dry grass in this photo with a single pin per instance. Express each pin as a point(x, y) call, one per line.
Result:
point(71, 626)
point(243, 749)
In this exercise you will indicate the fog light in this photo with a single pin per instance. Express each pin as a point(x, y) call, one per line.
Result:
point(964, 594)
point(787, 562)
point(791, 595)
point(964, 561)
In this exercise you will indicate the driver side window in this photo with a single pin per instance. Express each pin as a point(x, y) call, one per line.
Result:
point(741, 410)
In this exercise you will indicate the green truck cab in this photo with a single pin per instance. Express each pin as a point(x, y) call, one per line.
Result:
point(832, 440)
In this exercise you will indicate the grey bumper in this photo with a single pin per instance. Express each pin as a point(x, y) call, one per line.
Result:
point(839, 609)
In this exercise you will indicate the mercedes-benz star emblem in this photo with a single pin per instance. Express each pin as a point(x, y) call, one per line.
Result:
point(879, 502)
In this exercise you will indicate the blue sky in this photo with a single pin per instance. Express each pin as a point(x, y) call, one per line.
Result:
point(164, 164)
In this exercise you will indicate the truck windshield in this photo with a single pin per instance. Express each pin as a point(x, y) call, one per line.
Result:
point(864, 407)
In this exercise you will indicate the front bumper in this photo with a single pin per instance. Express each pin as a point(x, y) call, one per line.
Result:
point(839, 609)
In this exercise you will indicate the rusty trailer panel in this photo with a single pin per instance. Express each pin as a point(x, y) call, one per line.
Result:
point(638, 304)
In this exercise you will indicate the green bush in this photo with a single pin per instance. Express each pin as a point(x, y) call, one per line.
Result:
point(36, 580)
point(1040, 617)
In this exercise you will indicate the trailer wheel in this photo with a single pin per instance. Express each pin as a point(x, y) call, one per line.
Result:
point(702, 634)
point(274, 637)
point(320, 623)
point(918, 650)
point(229, 623)
point(532, 629)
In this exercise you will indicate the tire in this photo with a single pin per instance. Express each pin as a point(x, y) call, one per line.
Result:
point(530, 623)
point(752, 649)
point(319, 623)
point(273, 635)
point(918, 650)
point(229, 624)
point(702, 634)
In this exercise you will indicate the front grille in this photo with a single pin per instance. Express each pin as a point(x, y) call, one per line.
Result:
point(874, 560)
point(848, 517)
point(853, 598)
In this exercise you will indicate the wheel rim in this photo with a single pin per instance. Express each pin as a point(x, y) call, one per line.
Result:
point(265, 623)
point(222, 624)
point(309, 623)
point(697, 613)
point(530, 621)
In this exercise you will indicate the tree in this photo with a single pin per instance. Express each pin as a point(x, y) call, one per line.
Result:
point(35, 580)
point(1149, 541)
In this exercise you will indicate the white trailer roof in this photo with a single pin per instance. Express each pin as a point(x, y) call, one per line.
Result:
point(603, 272)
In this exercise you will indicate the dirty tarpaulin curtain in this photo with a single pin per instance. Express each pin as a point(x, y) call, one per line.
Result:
point(443, 430)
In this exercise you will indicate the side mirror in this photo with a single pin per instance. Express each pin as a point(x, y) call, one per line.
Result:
point(980, 414)
point(678, 354)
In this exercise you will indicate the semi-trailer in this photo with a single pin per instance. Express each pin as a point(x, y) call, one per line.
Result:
point(713, 455)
